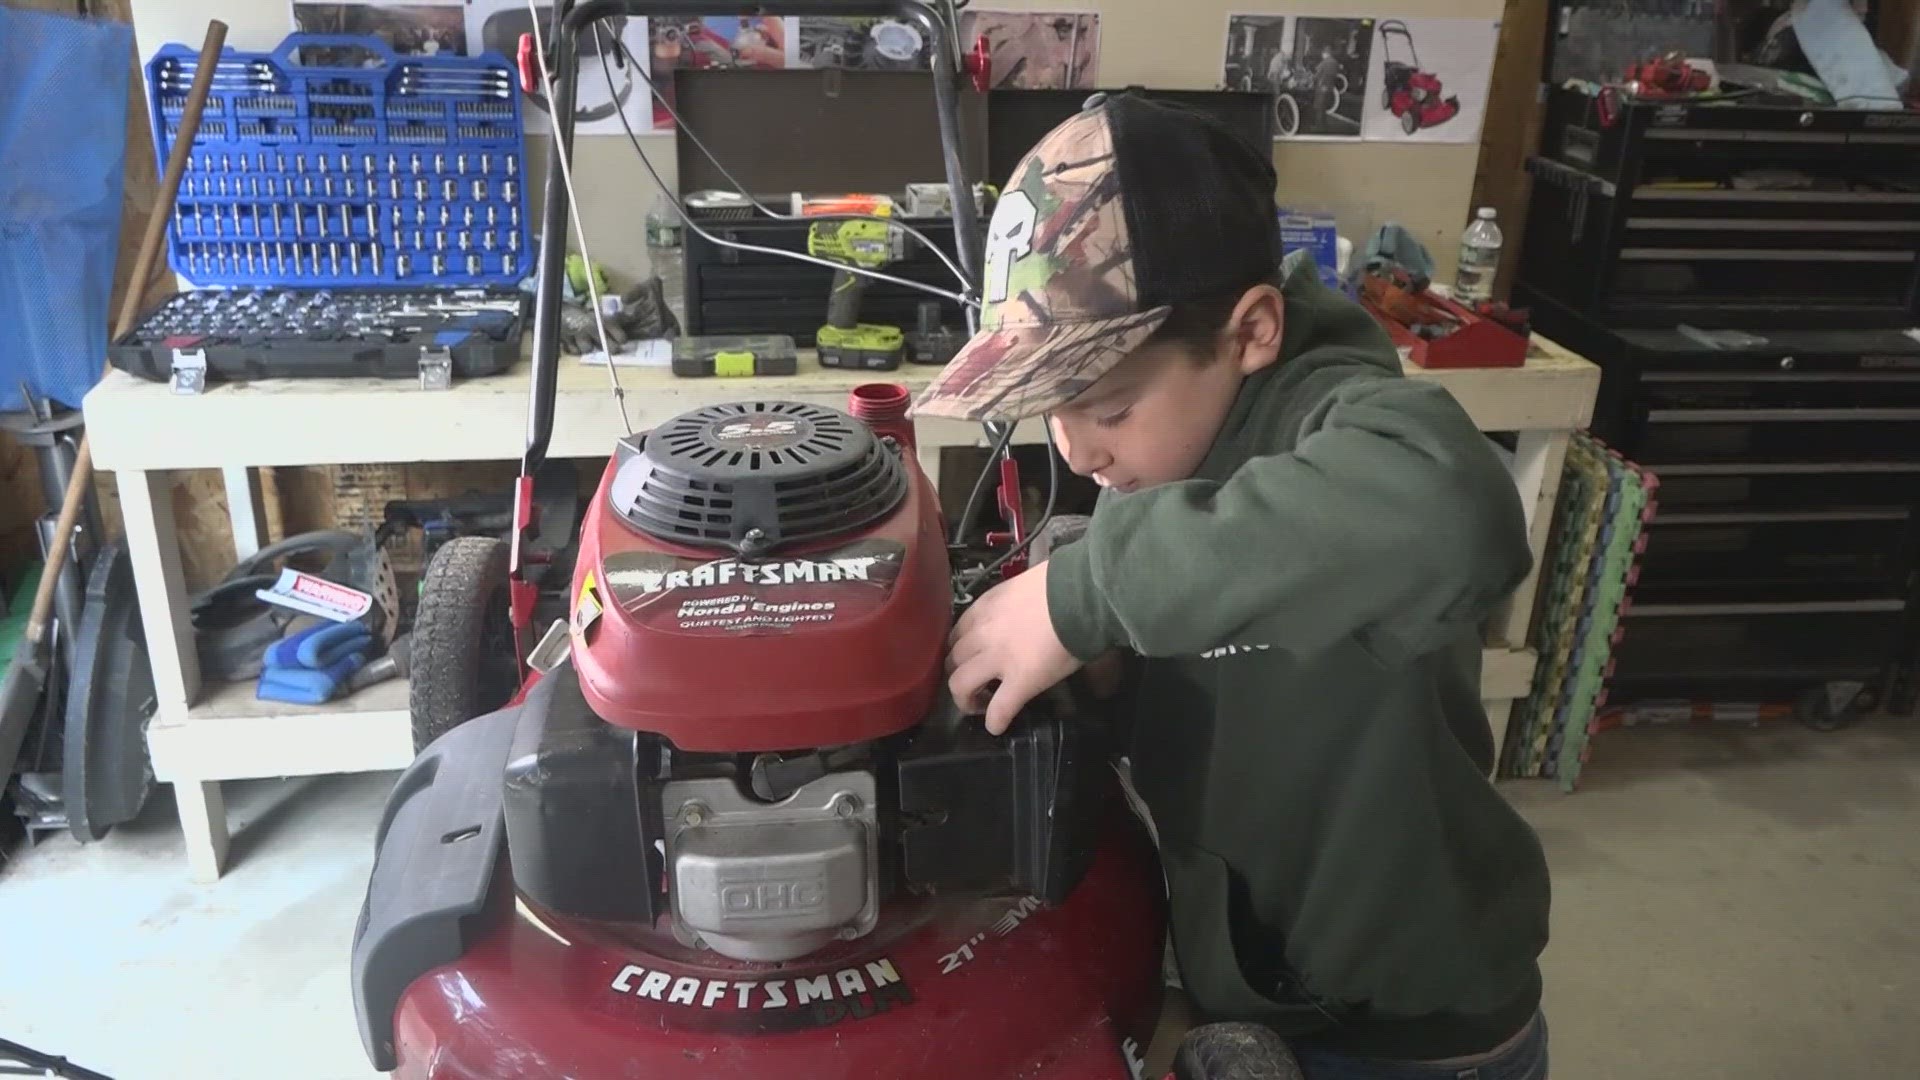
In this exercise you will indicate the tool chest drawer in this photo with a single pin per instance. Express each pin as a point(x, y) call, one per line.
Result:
point(1760, 549)
point(1765, 488)
point(1822, 436)
point(1785, 646)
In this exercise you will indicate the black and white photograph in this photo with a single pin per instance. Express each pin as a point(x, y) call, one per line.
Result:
point(1315, 67)
point(1329, 63)
point(1256, 57)
point(860, 44)
point(408, 29)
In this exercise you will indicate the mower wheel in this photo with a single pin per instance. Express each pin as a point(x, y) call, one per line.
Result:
point(1410, 121)
point(1234, 1051)
point(1386, 98)
point(464, 662)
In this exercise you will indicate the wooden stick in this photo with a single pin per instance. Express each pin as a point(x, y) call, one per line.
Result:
point(151, 245)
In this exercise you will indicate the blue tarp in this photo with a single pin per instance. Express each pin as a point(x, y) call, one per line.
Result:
point(63, 124)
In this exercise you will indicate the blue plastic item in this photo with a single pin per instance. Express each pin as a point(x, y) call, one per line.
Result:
point(318, 645)
point(63, 122)
point(310, 666)
point(332, 161)
point(308, 686)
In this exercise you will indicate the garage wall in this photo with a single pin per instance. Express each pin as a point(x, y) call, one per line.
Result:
point(1147, 42)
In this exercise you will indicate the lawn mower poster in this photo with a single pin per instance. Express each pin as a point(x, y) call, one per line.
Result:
point(1428, 80)
point(1346, 78)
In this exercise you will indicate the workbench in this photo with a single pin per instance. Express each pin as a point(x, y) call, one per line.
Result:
point(202, 735)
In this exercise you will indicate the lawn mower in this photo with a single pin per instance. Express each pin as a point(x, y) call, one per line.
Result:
point(730, 824)
point(1406, 91)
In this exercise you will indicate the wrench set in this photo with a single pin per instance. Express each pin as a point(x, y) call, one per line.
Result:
point(333, 162)
point(327, 165)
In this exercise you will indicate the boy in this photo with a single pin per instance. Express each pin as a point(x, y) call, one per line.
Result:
point(1301, 544)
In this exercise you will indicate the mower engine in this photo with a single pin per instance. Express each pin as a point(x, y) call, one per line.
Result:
point(745, 806)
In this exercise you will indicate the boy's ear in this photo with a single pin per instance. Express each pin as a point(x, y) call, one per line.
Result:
point(1255, 328)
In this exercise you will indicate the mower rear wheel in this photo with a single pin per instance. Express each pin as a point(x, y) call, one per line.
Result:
point(1410, 121)
point(1234, 1051)
point(464, 662)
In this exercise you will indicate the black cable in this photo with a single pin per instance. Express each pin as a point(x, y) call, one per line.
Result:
point(980, 482)
point(965, 302)
point(741, 189)
point(1046, 514)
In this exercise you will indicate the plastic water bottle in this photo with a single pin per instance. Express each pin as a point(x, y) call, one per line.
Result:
point(664, 253)
point(1479, 259)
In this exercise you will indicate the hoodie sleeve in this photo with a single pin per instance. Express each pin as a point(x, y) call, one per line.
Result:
point(1392, 521)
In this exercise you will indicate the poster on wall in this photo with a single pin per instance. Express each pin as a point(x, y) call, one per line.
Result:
point(1314, 66)
point(1427, 81)
point(1038, 50)
point(859, 44)
point(714, 43)
point(408, 29)
point(611, 86)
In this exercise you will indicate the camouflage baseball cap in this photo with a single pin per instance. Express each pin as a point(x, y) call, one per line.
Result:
point(1126, 208)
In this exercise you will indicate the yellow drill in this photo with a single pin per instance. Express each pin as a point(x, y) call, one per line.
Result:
point(845, 341)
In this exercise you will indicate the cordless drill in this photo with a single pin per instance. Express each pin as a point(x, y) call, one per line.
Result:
point(845, 341)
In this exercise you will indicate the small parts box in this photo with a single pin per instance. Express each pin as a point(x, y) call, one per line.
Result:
point(735, 356)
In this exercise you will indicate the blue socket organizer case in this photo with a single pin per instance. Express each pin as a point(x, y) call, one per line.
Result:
point(333, 162)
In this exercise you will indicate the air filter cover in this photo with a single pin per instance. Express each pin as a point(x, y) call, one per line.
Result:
point(751, 476)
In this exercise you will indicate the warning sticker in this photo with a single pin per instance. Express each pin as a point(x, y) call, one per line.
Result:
point(729, 596)
point(586, 608)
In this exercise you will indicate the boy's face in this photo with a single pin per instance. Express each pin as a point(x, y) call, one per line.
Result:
point(1152, 419)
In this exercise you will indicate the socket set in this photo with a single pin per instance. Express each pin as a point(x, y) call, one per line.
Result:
point(331, 162)
point(239, 334)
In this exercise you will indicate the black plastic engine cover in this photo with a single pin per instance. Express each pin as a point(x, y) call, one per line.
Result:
point(1015, 814)
point(581, 814)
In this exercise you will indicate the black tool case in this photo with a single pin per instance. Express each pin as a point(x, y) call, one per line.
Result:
point(245, 334)
point(1725, 214)
point(731, 291)
point(1782, 560)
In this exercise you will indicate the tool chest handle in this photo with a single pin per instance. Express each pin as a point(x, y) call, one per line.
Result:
point(288, 54)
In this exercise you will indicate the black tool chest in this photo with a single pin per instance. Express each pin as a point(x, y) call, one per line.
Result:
point(1726, 215)
point(1783, 555)
point(1746, 276)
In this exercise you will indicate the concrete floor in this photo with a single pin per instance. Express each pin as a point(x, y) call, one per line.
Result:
point(1728, 903)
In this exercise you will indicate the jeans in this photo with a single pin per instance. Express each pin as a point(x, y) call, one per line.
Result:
point(1523, 1058)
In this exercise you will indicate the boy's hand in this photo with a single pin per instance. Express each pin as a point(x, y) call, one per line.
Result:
point(1007, 635)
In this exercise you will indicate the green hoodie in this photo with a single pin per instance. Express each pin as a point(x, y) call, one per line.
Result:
point(1307, 729)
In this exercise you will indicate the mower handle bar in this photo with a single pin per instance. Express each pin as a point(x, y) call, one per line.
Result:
point(564, 58)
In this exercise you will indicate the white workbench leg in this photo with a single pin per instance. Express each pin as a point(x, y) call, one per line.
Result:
point(244, 510)
point(1538, 457)
point(153, 544)
point(203, 818)
point(929, 455)
point(1498, 713)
